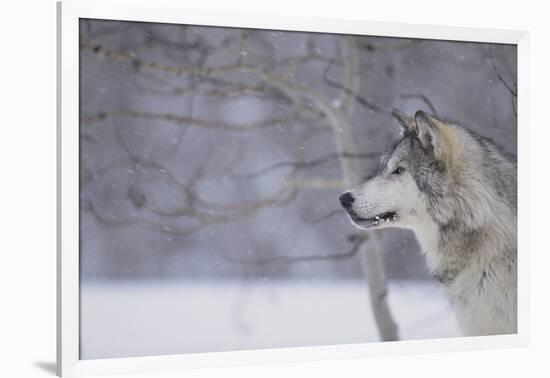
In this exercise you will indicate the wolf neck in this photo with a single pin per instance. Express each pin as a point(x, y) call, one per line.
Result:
point(427, 233)
point(450, 250)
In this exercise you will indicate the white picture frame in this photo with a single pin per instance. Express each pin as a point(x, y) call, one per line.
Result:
point(172, 11)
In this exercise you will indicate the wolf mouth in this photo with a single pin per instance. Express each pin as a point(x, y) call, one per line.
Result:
point(388, 216)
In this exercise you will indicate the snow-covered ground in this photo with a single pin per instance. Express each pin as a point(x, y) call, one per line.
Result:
point(122, 319)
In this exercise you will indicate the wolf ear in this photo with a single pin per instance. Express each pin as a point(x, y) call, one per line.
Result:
point(408, 123)
point(432, 134)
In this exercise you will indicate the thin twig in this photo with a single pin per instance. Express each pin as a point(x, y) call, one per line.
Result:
point(500, 78)
point(424, 99)
point(323, 217)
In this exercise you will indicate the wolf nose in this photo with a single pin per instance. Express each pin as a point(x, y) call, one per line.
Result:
point(346, 200)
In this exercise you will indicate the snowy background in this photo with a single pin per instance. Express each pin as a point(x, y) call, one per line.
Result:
point(210, 171)
point(151, 318)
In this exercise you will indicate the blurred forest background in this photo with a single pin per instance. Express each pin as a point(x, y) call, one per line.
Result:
point(215, 156)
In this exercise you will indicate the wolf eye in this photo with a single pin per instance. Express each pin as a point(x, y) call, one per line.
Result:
point(398, 171)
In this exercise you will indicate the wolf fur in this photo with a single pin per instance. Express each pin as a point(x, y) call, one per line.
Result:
point(457, 192)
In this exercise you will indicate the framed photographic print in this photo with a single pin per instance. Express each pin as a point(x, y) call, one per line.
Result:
point(239, 188)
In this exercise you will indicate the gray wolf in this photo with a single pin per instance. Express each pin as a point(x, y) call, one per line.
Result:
point(457, 192)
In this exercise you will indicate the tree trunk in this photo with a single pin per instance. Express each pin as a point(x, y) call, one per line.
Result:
point(352, 174)
point(354, 171)
point(373, 264)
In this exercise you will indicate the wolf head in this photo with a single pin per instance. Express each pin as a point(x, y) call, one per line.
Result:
point(428, 175)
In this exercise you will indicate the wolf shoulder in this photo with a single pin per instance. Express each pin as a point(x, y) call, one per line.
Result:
point(487, 304)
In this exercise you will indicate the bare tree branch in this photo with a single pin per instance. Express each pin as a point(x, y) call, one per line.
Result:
point(361, 100)
point(137, 63)
point(288, 119)
point(307, 163)
point(357, 240)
